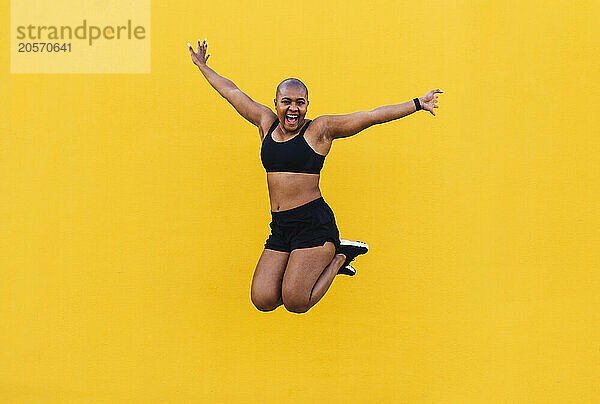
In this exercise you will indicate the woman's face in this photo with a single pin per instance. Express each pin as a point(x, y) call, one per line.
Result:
point(291, 105)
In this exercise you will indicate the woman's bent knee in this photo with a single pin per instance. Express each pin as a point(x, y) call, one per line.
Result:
point(300, 308)
point(265, 301)
point(295, 302)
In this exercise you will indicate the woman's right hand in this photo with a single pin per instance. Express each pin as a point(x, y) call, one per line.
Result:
point(199, 58)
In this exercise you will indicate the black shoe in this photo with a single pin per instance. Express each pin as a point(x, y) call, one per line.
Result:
point(351, 249)
point(347, 270)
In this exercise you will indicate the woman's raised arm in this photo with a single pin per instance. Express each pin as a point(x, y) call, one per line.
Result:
point(254, 112)
point(337, 126)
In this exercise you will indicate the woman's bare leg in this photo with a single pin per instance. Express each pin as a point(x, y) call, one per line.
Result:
point(267, 279)
point(308, 275)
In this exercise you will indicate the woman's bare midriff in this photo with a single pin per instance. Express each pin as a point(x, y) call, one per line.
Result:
point(290, 190)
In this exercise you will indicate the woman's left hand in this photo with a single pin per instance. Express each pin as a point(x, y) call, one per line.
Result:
point(428, 100)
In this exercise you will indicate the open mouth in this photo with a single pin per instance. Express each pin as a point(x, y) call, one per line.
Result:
point(291, 119)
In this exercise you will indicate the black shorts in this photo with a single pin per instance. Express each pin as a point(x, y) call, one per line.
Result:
point(308, 225)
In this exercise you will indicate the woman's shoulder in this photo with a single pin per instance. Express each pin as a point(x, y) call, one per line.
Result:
point(317, 128)
point(316, 135)
point(267, 125)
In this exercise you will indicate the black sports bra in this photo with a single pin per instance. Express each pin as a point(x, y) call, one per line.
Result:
point(293, 156)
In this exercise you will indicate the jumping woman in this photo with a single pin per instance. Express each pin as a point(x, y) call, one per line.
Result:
point(303, 252)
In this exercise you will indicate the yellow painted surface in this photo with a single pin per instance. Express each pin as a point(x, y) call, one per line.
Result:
point(134, 208)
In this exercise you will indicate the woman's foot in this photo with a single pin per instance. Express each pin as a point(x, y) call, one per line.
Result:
point(351, 250)
point(347, 270)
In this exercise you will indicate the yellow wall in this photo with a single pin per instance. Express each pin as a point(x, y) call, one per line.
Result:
point(134, 209)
